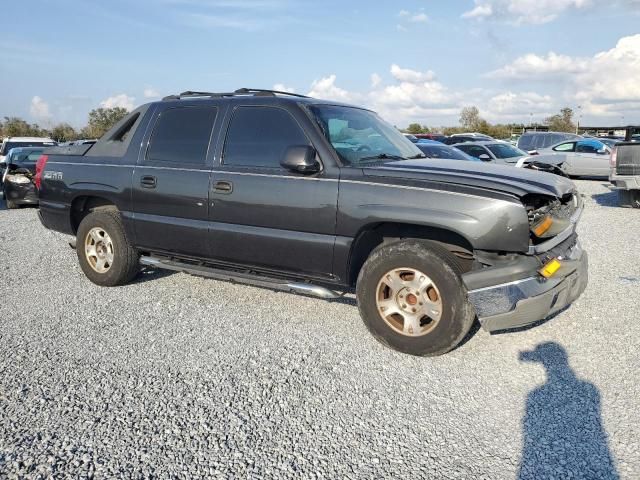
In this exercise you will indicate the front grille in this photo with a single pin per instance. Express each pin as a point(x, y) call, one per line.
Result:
point(628, 159)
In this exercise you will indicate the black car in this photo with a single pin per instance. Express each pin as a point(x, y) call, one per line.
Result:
point(17, 179)
point(303, 195)
point(434, 149)
point(461, 138)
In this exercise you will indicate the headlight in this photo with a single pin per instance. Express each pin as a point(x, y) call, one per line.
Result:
point(549, 226)
point(21, 179)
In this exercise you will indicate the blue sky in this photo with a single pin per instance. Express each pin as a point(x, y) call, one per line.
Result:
point(412, 60)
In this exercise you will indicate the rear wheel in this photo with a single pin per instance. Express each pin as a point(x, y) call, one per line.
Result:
point(412, 299)
point(104, 252)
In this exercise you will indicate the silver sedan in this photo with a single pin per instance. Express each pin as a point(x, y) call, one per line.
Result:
point(586, 157)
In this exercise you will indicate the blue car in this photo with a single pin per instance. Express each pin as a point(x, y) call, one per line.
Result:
point(433, 149)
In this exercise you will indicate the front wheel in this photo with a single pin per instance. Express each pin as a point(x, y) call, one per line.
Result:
point(104, 252)
point(412, 299)
point(11, 205)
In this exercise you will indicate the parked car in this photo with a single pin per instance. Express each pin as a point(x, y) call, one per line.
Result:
point(625, 173)
point(438, 137)
point(412, 138)
point(582, 157)
point(532, 142)
point(466, 137)
point(298, 194)
point(503, 153)
point(17, 179)
point(434, 149)
point(14, 142)
point(610, 142)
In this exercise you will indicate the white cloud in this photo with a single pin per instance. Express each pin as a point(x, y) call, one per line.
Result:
point(419, 18)
point(283, 88)
point(532, 65)
point(524, 11)
point(605, 83)
point(326, 88)
point(150, 93)
point(480, 11)
point(39, 109)
point(411, 76)
point(516, 106)
point(375, 80)
point(121, 100)
point(407, 16)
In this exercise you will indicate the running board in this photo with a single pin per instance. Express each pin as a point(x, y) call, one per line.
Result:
point(239, 277)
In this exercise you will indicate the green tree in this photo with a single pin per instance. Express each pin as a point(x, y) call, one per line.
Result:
point(414, 128)
point(17, 127)
point(561, 122)
point(63, 132)
point(101, 120)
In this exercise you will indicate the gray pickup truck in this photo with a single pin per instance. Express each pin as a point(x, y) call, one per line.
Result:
point(303, 195)
point(625, 173)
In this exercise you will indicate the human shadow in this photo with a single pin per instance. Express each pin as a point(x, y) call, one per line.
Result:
point(562, 426)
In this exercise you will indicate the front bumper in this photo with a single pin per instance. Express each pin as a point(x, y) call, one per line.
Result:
point(528, 300)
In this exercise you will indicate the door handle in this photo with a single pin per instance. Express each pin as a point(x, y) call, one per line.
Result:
point(223, 187)
point(148, 181)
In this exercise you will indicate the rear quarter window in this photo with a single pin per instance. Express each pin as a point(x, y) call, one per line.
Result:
point(181, 135)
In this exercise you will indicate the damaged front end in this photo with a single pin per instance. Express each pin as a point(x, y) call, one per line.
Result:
point(19, 188)
point(510, 290)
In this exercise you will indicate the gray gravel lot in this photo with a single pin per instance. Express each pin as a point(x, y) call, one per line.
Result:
point(178, 376)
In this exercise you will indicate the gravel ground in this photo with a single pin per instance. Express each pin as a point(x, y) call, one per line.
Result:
point(178, 376)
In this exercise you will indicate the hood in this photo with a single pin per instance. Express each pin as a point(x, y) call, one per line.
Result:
point(500, 178)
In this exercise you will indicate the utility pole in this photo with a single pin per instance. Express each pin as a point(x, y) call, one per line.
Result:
point(579, 118)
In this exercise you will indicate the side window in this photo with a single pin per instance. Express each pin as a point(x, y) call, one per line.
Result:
point(586, 147)
point(473, 150)
point(525, 142)
point(259, 136)
point(565, 147)
point(181, 135)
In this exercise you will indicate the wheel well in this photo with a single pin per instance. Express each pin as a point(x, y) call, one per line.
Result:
point(372, 236)
point(83, 205)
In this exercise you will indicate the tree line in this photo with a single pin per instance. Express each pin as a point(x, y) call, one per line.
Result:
point(99, 122)
point(471, 121)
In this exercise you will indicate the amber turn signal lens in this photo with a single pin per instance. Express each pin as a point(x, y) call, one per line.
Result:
point(542, 226)
point(550, 268)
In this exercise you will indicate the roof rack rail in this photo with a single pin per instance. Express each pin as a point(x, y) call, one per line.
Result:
point(258, 92)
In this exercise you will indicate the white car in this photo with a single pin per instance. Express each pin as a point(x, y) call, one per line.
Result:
point(585, 157)
point(13, 142)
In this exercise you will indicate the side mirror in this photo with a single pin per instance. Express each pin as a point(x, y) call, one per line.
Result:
point(485, 157)
point(301, 159)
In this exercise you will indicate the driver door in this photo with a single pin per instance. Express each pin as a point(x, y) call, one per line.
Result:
point(262, 214)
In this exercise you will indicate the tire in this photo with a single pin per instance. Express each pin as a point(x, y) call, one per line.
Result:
point(448, 313)
point(113, 260)
point(11, 205)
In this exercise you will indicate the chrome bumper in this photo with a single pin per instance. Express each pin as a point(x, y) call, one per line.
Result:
point(526, 301)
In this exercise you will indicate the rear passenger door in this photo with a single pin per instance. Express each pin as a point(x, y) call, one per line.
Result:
point(170, 190)
point(262, 214)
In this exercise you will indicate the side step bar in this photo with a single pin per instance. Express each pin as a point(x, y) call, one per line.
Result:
point(239, 277)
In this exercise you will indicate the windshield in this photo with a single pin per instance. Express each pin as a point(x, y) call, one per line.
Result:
point(361, 137)
point(504, 150)
point(444, 151)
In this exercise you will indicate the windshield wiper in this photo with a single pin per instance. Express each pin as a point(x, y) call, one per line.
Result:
point(383, 156)
point(416, 156)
